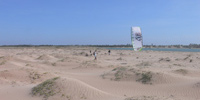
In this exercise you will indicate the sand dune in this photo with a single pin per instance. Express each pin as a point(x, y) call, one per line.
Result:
point(123, 75)
point(72, 89)
point(128, 73)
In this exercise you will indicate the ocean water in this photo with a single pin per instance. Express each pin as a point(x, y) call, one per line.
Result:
point(160, 49)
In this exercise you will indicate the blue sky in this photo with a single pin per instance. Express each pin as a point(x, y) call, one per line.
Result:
point(71, 22)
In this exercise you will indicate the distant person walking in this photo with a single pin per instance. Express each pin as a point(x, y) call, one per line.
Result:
point(90, 53)
point(95, 55)
point(109, 52)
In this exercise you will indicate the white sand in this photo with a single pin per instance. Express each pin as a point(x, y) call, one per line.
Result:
point(175, 75)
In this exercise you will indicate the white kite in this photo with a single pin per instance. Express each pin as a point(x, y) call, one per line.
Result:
point(136, 38)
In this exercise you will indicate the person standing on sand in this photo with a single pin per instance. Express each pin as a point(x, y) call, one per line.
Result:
point(109, 52)
point(90, 53)
point(95, 55)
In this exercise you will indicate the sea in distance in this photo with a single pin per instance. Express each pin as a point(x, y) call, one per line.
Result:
point(160, 49)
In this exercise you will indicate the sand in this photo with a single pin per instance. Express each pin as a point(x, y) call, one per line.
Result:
point(122, 75)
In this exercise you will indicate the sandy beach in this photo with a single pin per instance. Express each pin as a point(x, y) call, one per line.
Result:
point(71, 73)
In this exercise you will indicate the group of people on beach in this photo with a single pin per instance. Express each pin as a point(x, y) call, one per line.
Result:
point(95, 54)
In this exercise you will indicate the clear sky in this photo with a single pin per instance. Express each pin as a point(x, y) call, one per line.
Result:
point(71, 22)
